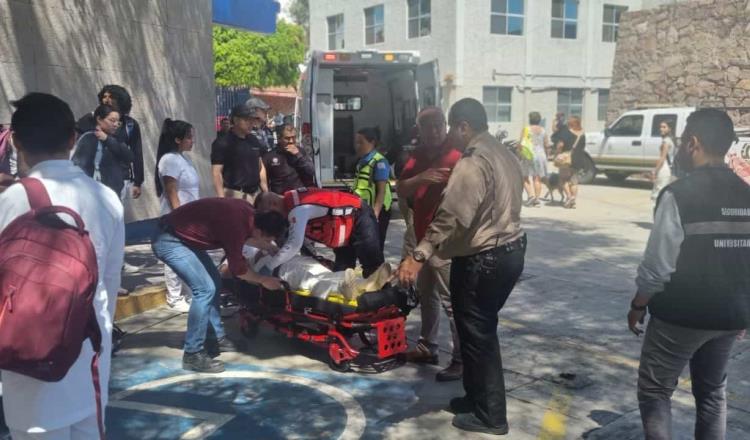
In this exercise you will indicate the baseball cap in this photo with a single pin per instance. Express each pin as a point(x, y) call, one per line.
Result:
point(254, 103)
point(241, 111)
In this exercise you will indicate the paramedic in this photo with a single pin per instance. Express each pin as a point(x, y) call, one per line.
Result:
point(184, 236)
point(372, 179)
point(336, 219)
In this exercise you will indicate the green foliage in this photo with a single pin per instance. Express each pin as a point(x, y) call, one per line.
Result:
point(300, 12)
point(256, 60)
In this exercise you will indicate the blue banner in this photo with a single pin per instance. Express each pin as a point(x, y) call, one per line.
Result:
point(248, 15)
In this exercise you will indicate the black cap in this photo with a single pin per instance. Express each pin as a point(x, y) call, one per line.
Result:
point(241, 111)
point(254, 103)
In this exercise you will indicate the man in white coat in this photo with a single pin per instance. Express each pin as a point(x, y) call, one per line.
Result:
point(44, 134)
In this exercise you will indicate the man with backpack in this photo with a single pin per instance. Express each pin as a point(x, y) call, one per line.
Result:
point(60, 396)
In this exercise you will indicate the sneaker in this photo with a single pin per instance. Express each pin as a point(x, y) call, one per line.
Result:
point(129, 268)
point(454, 371)
point(421, 354)
point(470, 422)
point(224, 345)
point(180, 305)
point(201, 363)
point(122, 292)
point(460, 405)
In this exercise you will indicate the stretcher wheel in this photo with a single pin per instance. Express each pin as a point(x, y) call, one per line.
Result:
point(341, 367)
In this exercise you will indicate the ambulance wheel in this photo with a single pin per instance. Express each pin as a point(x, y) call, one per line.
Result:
point(341, 367)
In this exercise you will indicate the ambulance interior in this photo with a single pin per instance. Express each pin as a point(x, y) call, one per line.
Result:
point(382, 96)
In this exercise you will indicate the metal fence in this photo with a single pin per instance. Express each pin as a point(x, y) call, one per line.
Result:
point(228, 97)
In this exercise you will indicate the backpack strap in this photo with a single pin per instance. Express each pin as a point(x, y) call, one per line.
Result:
point(95, 335)
point(37, 194)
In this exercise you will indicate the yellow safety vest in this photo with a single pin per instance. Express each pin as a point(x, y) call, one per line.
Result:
point(365, 187)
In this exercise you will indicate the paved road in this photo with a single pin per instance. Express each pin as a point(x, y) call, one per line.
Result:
point(570, 362)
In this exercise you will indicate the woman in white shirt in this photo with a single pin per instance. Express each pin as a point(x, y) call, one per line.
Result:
point(662, 174)
point(177, 183)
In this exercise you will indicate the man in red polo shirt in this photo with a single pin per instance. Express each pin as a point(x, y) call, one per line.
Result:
point(422, 182)
point(184, 236)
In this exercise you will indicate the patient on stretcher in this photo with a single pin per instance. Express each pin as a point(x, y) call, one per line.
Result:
point(307, 275)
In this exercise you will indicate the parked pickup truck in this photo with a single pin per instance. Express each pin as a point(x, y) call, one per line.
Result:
point(631, 144)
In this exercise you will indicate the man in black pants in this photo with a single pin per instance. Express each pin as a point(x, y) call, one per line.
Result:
point(478, 226)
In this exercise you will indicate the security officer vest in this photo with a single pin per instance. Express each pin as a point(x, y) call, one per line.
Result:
point(334, 229)
point(365, 187)
point(710, 288)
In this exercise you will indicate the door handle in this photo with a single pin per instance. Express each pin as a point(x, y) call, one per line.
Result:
point(637, 143)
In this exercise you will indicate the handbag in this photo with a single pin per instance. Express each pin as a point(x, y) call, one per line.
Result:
point(564, 160)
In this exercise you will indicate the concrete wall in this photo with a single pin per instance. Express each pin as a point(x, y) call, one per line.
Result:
point(692, 53)
point(471, 58)
point(160, 50)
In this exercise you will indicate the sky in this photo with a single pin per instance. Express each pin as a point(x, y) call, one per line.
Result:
point(284, 6)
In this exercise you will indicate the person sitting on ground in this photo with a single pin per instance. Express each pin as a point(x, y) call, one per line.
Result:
point(44, 134)
point(336, 219)
point(101, 154)
point(181, 242)
point(287, 167)
point(128, 132)
point(177, 183)
point(372, 179)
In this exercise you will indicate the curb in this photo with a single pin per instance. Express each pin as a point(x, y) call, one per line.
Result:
point(141, 300)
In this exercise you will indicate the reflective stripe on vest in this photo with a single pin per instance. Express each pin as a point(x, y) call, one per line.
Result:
point(365, 187)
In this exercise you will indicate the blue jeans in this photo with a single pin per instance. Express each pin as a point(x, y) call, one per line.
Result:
point(198, 271)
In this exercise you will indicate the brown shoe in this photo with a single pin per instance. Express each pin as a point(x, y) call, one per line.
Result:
point(421, 355)
point(454, 371)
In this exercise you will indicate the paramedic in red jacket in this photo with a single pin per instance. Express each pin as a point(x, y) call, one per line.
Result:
point(336, 219)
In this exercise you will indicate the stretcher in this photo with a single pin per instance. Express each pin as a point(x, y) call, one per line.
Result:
point(377, 318)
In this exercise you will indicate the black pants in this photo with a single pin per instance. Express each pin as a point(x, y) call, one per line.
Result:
point(384, 219)
point(364, 244)
point(480, 285)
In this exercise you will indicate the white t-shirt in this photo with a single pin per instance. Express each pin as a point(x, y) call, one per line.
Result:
point(179, 167)
point(31, 403)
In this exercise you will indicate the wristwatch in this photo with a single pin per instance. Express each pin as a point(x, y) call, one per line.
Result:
point(419, 256)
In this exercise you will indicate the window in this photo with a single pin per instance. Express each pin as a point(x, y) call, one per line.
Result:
point(631, 125)
point(611, 22)
point(347, 103)
point(497, 102)
point(603, 104)
point(420, 21)
point(565, 19)
point(375, 24)
point(671, 120)
point(506, 17)
point(336, 32)
point(570, 102)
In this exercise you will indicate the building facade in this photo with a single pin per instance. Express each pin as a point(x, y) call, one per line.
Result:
point(516, 56)
point(160, 50)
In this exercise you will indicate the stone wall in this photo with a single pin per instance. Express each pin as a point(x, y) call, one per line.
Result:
point(694, 53)
point(160, 50)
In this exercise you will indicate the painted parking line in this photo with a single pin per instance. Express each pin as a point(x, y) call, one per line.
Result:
point(554, 421)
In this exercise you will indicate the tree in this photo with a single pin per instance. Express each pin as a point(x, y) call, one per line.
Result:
point(255, 60)
point(300, 12)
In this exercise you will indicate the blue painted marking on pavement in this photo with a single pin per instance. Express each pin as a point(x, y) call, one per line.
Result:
point(266, 407)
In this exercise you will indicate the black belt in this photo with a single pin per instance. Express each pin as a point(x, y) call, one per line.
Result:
point(510, 247)
point(236, 188)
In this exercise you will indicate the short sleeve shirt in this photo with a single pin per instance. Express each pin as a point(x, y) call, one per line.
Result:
point(382, 169)
point(241, 161)
point(181, 168)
